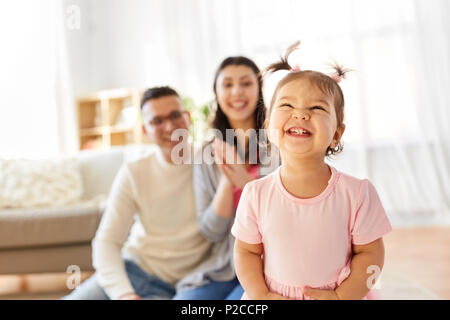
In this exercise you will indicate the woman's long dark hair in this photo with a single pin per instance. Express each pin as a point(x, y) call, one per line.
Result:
point(220, 120)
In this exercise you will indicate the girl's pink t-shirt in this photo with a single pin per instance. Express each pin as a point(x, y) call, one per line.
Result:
point(253, 171)
point(308, 242)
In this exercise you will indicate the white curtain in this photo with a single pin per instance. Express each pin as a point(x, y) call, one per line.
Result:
point(67, 19)
point(397, 100)
point(37, 118)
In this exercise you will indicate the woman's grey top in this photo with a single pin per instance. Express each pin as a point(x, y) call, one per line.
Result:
point(219, 266)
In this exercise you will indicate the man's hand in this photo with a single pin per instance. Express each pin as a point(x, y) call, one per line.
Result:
point(130, 296)
point(319, 294)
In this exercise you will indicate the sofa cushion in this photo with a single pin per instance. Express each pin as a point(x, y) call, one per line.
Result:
point(50, 226)
point(54, 259)
point(39, 183)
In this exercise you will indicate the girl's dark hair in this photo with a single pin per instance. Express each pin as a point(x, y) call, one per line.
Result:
point(326, 83)
point(220, 120)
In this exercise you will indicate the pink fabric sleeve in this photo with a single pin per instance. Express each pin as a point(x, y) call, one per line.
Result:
point(371, 222)
point(245, 227)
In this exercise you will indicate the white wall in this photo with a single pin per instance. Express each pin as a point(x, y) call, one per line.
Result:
point(113, 47)
point(79, 49)
point(141, 43)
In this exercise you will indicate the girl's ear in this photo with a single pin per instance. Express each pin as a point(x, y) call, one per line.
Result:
point(341, 131)
point(337, 136)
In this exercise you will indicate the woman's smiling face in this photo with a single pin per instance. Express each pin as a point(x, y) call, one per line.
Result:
point(303, 119)
point(237, 93)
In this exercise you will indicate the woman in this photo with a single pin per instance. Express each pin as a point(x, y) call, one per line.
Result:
point(240, 106)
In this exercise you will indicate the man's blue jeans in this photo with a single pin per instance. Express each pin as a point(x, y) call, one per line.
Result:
point(152, 288)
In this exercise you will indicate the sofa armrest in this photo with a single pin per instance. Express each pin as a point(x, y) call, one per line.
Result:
point(98, 169)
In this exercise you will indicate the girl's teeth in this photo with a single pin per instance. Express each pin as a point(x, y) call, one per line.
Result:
point(297, 131)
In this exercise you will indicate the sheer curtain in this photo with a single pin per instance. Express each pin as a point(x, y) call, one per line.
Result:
point(36, 112)
point(397, 98)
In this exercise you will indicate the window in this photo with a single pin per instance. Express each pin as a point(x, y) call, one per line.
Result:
point(28, 117)
point(374, 38)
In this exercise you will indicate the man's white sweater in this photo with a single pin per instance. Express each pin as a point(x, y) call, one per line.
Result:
point(151, 219)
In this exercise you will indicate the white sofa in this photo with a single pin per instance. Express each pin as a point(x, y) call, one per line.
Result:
point(51, 239)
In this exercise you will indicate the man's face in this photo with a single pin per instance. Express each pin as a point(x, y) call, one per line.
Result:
point(161, 117)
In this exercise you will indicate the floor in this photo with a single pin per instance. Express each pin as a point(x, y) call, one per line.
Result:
point(423, 255)
point(417, 265)
point(36, 286)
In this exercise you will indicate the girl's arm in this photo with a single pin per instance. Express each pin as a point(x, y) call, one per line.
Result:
point(356, 286)
point(249, 270)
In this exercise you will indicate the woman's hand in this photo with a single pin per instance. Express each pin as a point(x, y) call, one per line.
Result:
point(236, 174)
point(234, 170)
point(319, 294)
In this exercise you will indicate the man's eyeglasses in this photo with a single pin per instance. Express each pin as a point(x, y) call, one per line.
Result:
point(174, 116)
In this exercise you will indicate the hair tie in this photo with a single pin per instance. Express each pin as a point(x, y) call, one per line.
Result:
point(296, 68)
point(336, 77)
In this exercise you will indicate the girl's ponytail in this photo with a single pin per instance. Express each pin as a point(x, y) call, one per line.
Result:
point(283, 63)
point(339, 72)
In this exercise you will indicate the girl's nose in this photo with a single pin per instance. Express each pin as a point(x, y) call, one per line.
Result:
point(301, 115)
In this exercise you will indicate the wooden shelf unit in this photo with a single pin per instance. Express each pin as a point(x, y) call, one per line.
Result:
point(98, 115)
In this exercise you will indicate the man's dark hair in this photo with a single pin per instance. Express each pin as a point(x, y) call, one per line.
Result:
point(157, 92)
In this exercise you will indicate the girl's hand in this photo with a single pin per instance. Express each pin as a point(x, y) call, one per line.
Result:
point(319, 294)
point(273, 296)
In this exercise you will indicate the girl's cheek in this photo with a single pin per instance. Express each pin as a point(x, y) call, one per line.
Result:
point(279, 119)
point(275, 127)
point(273, 135)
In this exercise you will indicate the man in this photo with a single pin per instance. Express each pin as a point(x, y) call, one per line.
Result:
point(151, 200)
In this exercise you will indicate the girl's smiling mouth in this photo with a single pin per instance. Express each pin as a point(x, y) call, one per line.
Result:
point(298, 132)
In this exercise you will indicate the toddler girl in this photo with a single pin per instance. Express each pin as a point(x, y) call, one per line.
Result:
point(308, 231)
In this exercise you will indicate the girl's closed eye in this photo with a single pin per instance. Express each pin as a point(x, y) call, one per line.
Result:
point(318, 108)
point(286, 105)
